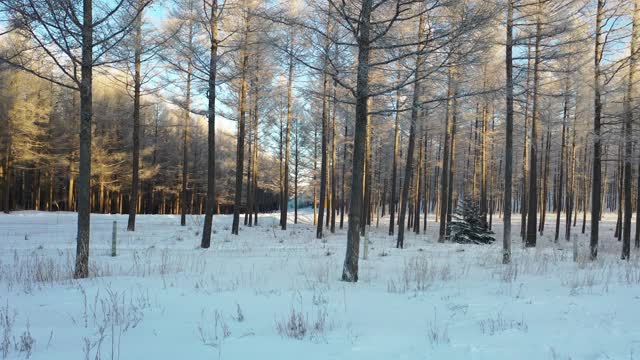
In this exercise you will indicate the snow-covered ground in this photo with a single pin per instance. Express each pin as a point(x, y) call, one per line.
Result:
point(272, 294)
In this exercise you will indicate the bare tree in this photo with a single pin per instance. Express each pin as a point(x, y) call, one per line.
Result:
point(244, 60)
point(532, 206)
point(214, 15)
point(75, 40)
point(414, 127)
point(628, 135)
point(596, 177)
point(287, 138)
point(508, 161)
point(137, 82)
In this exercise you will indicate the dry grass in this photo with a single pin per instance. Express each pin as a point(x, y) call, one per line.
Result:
point(496, 324)
point(420, 274)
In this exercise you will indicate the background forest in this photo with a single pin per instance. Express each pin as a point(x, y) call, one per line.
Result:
point(361, 109)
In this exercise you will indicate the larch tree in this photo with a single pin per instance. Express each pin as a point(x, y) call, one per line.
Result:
point(628, 133)
point(242, 112)
point(596, 176)
point(212, 18)
point(508, 161)
point(75, 37)
point(532, 197)
point(414, 127)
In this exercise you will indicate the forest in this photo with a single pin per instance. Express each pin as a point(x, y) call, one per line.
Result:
point(366, 109)
point(345, 179)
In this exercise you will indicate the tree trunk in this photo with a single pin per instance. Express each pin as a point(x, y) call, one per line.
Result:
point(350, 269)
point(467, 186)
point(295, 180)
point(596, 180)
point(532, 207)
point(333, 163)
point(394, 166)
point(211, 136)
point(248, 213)
point(620, 186)
point(6, 173)
point(281, 167)
point(315, 173)
point(366, 206)
point(444, 179)
point(452, 153)
point(560, 187)
point(86, 113)
point(628, 140)
point(185, 145)
point(285, 197)
point(427, 178)
point(571, 182)
point(185, 157)
point(255, 204)
point(324, 135)
point(419, 183)
point(435, 206)
point(637, 239)
point(545, 182)
point(135, 176)
point(585, 193)
point(525, 166)
point(508, 162)
point(241, 132)
point(492, 171)
point(344, 168)
point(414, 126)
point(483, 165)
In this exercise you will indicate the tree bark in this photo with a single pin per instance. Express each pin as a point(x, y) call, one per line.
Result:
point(366, 206)
point(185, 144)
point(545, 181)
point(484, 208)
point(241, 132)
point(414, 126)
point(6, 171)
point(619, 190)
point(560, 187)
point(324, 135)
point(525, 166)
point(295, 180)
point(444, 179)
point(452, 153)
point(637, 239)
point(322, 199)
point(532, 207)
point(333, 163)
point(350, 268)
point(248, 213)
point(285, 197)
point(427, 178)
point(86, 113)
point(255, 204)
point(394, 166)
point(628, 138)
point(596, 177)
point(344, 168)
point(508, 162)
point(315, 173)
point(135, 176)
point(185, 155)
point(585, 193)
point(571, 191)
point(419, 183)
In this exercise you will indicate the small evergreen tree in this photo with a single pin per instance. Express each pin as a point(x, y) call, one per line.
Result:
point(468, 226)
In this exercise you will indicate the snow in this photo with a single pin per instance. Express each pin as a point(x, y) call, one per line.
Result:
point(162, 297)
